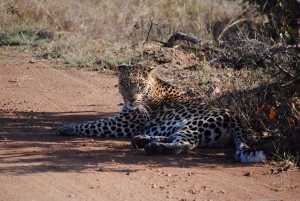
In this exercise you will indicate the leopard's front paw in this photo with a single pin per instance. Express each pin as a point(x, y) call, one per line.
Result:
point(140, 142)
point(155, 148)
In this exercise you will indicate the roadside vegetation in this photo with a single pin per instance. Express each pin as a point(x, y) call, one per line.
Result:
point(242, 62)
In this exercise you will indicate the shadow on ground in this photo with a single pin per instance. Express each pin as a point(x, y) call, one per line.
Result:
point(29, 143)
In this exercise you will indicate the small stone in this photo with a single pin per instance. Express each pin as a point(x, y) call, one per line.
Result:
point(248, 174)
point(193, 191)
point(31, 61)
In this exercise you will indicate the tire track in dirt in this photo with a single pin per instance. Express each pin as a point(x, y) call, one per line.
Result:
point(22, 88)
point(48, 84)
point(88, 86)
point(50, 98)
point(81, 77)
point(67, 76)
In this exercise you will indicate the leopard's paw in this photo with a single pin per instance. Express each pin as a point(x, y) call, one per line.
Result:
point(140, 142)
point(155, 148)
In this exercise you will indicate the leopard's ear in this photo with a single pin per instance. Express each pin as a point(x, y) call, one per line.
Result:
point(152, 70)
point(122, 67)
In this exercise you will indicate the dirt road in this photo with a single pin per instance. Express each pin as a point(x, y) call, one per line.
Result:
point(37, 164)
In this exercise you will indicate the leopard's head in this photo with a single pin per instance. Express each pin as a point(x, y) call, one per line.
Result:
point(135, 85)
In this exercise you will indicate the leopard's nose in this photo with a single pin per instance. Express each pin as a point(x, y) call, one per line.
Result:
point(131, 100)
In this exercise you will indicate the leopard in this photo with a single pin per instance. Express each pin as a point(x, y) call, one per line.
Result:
point(161, 120)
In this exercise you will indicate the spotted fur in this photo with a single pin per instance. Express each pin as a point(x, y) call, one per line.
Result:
point(162, 121)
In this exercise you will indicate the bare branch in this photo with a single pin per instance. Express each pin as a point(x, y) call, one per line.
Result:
point(180, 36)
point(151, 24)
point(283, 48)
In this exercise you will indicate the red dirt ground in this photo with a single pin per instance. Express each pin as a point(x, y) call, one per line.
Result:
point(37, 164)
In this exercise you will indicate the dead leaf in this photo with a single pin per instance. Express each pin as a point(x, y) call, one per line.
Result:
point(113, 67)
point(268, 111)
point(291, 122)
point(101, 51)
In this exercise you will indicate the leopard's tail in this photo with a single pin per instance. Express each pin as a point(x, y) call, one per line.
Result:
point(243, 153)
point(70, 129)
point(246, 155)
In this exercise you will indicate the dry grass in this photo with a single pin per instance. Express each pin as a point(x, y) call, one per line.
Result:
point(120, 21)
point(86, 32)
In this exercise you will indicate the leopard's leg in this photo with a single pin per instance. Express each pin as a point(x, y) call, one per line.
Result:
point(127, 124)
point(180, 144)
point(157, 133)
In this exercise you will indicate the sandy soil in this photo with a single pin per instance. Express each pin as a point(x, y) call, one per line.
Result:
point(37, 164)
